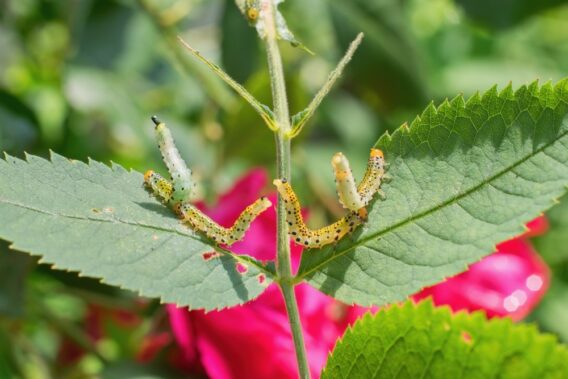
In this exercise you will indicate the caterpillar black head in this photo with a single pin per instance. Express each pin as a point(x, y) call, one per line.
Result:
point(155, 120)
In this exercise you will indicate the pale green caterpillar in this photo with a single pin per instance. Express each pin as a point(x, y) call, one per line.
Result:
point(177, 194)
point(183, 185)
point(352, 198)
point(345, 183)
point(355, 197)
point(163, 190)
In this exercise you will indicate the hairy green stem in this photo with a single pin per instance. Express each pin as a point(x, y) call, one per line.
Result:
point(282, 118)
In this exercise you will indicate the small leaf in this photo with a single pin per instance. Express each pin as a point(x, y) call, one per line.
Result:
point(301, 118)
point(263, 110)
point(466, 176)
point(101, 222)
point(420, 341)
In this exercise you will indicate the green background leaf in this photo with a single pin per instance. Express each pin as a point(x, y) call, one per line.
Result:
point(420, 341)
point(466, 176)
point(101, 222)
point(14, 268)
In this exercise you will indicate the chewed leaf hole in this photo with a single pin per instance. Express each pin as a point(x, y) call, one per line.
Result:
point(210, 255)
point(241, 268)
point(261, 278)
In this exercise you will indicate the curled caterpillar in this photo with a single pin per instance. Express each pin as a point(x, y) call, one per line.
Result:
point(353, 198)
point(298, 230)
point(221, 235)
point(180, 174)
point(356, 197)
point(163, 190)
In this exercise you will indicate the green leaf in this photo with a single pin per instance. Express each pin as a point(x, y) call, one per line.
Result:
point(101, 222)
point(241, 59)
point(466, 176)
point(420, 341)
point(386, 72)
point(505, 14)
point(14, 268)
point(24, 126)
point(552, 245)
point(263, 110)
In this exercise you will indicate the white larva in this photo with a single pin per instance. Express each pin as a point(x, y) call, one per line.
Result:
point(183, 186)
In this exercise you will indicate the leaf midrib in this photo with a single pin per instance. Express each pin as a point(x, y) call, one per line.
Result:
point(302, 275)
point(240, 258)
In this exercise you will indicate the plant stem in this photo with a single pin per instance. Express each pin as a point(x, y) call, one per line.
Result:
point(282, 116)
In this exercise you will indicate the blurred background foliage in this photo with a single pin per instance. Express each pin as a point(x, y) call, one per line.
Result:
point(82, 77)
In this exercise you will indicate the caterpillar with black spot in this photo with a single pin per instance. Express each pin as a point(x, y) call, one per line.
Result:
point(190, 214)
point(300, 233)
point(221, 235)
point(374, 176)
point(177, 194)
point(183, 185)
point(355, 199)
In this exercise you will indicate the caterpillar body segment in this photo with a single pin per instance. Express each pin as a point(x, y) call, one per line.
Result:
point(221, 235)
point(298, 230)
point(347, 191)
point(162, 189)
point(183, 185)
point(158, 186)
point(374, 175)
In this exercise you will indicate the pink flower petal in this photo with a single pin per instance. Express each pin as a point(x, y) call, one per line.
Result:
point(509, 282)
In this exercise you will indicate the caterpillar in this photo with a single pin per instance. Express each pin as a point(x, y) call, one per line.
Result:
point(298, 230)
point(158, 186)
point(374, 176)
point(164, 190)
point(221, 235)
point(345, 183)
point(356, 197)
point(183, 186)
